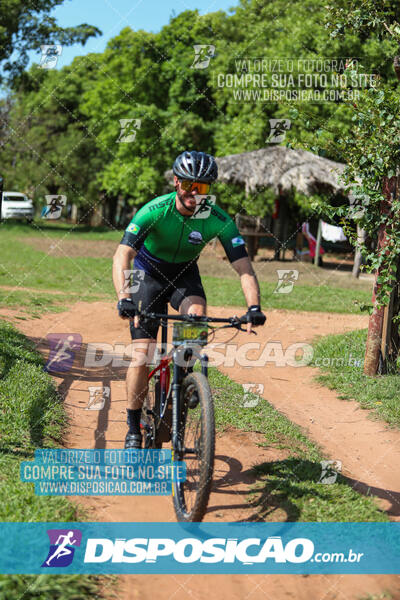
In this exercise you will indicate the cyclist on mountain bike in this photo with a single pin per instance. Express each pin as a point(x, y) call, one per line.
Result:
point(165, 238)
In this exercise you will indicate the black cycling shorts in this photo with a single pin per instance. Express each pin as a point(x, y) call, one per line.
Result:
point(152, 295)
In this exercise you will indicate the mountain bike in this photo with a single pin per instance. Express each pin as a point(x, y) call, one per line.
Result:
point(179, 407)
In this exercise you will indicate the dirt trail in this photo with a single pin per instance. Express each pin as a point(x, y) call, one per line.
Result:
point(366, 448)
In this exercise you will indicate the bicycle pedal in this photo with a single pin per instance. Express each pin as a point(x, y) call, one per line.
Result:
point(145, 426)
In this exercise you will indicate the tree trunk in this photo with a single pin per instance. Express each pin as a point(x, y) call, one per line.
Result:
point(74, 213)
point(112, 202)
point(361, 235)
point(390, 336)
point(375, 327)
point(251, 246)
point(1, 195)
point(374, 342)
point(96, 218)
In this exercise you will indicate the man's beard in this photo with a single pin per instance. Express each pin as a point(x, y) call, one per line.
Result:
point(188, 208)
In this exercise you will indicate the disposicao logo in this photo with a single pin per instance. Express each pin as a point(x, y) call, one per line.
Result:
point(191, 550)
point(62, 542)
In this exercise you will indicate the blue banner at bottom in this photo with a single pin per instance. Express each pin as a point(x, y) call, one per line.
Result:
point(224, 548)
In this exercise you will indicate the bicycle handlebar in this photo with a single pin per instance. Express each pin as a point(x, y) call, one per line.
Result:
point(234, 321)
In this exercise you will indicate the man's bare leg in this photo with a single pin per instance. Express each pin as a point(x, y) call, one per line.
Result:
point(136, 388)
point(136, 378)
point(194, 305)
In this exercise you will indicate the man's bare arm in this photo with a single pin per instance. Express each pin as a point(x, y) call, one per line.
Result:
point(248, 280)
point(122, 261)
point(250, 287)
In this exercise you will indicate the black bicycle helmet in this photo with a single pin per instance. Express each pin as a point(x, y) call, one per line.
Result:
point(196, 166)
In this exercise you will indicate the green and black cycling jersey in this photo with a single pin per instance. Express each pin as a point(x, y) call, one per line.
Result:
point(166, 241)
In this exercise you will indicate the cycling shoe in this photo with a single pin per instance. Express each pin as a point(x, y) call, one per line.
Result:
point(133, 440)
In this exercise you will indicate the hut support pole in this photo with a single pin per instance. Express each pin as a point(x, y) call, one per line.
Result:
point(361, 235)
point(318, 244)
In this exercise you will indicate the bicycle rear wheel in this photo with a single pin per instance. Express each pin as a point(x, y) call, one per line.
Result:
point(197, 432)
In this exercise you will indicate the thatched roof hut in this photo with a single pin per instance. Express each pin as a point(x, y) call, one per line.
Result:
point(280, 167)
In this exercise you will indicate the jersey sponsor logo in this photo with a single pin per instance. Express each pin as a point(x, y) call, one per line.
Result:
point(162, 203)
point(195, 237)
point(133, 228)
point(237, 241)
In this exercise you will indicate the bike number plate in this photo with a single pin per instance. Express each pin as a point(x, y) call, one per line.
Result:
point(190, 332)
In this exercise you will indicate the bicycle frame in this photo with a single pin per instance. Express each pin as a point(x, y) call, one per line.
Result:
point(189, 352)
point(186, 390)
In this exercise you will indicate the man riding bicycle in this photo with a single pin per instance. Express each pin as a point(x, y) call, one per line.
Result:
point(165, 238)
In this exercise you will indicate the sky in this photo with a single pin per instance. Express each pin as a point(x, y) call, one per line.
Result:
point(110, 16)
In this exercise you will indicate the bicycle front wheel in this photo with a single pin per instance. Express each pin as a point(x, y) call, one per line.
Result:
point(197, 433)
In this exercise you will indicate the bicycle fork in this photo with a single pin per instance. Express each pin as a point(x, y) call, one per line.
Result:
point(176, 409)
point(178, 373)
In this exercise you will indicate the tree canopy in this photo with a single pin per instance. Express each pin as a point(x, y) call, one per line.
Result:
point(26, 25)
point(112, 123)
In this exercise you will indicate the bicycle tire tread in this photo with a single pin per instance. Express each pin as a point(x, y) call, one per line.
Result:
point(208, 450)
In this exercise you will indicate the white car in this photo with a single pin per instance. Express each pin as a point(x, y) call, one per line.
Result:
point(17, 206)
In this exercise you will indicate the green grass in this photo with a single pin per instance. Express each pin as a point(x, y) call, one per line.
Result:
point(380, 394)
point(79, 278)
point(48, 587)
point(31, 416)
point(31, 411)
point(59, 229)
point(322, 298)
point(287, 489)
point(22, 265)
point(36, 304)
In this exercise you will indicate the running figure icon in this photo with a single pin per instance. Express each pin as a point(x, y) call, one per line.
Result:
point(63, 347)
point(63, 543)
point(62, 549)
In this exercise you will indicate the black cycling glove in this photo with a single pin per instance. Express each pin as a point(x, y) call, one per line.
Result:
point(126, 308)
point(255, 316)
